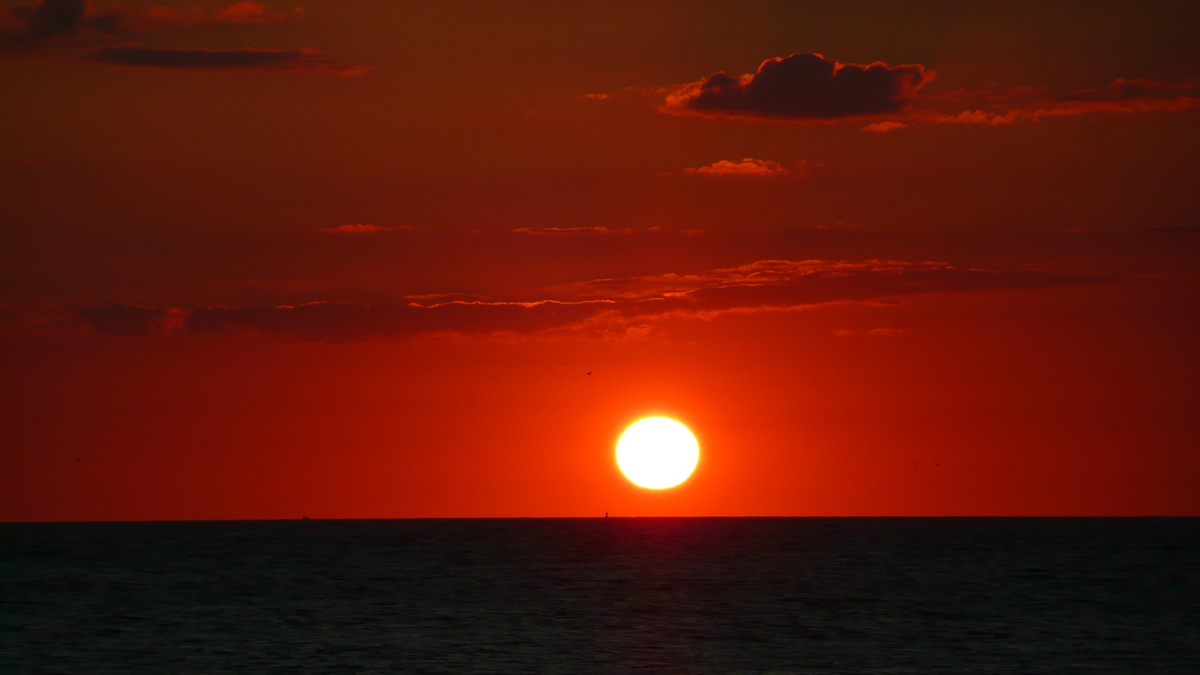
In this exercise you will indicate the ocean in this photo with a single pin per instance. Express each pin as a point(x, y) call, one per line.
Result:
point(616, 595)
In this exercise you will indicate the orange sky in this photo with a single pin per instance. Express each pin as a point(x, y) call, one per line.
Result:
point(355, 261)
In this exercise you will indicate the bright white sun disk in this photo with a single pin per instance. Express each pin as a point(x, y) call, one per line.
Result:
point(657, 452)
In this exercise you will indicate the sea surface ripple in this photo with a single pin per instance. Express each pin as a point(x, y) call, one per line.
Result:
point(616, 595)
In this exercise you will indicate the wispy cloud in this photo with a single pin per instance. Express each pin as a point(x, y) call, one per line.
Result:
point(360, 228)
point(874, 332)
point(248, 12)
point(569, 231)
point(747, 168)
point(886, 125)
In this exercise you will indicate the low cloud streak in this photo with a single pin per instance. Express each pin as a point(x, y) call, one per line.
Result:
point(1031, 104)
point(578, 309)
point(247, 58)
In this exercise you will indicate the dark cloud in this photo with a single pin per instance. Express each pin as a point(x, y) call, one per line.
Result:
point(79, 27)
point(290, 60)
point(585, 308)
point(27, 25)
point(803, 87)
point(30, 24)
point(125, 320)
point(53, 17)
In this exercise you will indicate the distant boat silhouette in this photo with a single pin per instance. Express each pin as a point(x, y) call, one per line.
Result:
point(306, 518)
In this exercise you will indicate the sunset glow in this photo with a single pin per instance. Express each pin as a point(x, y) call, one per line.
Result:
point(377, 260)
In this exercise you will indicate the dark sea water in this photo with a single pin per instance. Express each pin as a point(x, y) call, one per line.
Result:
point(694, 595)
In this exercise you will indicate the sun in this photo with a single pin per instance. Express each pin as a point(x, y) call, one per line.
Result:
point(657, 453)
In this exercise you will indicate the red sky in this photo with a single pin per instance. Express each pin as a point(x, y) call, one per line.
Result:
point(354, 260)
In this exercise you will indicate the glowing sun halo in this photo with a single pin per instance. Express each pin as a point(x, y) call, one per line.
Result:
point(657, 452)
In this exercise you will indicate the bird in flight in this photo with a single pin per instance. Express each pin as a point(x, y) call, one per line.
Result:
point(589, 372)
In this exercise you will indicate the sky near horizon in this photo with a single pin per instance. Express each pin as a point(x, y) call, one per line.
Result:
point(357, 259)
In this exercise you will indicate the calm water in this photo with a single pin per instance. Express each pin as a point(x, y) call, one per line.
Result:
point(603, 596)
